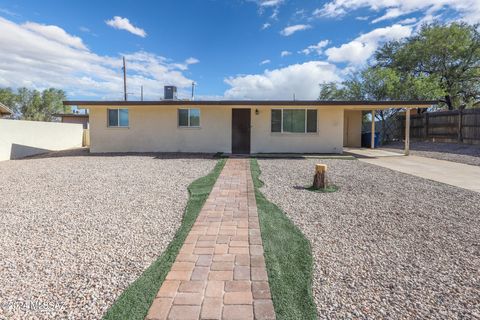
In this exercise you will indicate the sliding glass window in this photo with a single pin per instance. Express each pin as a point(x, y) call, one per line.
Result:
point(189, 118)
point(294, 120)
point(118, 118)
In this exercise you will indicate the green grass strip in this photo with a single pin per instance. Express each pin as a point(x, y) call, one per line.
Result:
point(288, 258)
point(135, 301)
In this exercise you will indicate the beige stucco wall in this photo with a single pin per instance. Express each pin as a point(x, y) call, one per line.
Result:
point(20, 138)
point(82, 120)
point(327, 139)
point(154, 129)
point(352, 128)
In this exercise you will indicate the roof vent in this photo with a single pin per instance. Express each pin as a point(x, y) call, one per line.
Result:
point(170, 93)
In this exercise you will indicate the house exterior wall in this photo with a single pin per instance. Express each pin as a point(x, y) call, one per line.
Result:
point(20, 138)
point(155, 129)
point(327, 139)
point(352, 129)
point(82, 120)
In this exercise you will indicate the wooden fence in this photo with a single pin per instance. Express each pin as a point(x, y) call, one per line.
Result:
point(446, 126)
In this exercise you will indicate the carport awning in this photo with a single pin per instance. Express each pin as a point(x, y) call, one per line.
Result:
point(408, 107)
point(396, 105)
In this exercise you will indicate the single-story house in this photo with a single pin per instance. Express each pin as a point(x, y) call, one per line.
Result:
point(230, 126)
point(81, 118)
point(5, 111)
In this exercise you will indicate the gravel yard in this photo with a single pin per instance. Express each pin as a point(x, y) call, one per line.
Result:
point(76, 230)
point(387, 244)
point(463, 153)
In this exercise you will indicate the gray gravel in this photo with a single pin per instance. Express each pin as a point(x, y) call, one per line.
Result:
point(76, 230)
point(387, 245)
point(463, 153)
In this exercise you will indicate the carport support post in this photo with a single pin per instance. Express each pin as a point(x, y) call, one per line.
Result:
point(407, 132)
point(372, 141)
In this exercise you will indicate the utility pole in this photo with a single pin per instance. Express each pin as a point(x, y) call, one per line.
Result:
point(141, 93)
point(124, 79)
point(193, 90)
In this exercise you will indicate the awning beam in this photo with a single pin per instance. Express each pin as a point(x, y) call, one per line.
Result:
point(372, 141)
point(407, 132)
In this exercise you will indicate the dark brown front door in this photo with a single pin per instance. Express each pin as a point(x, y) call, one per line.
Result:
point(240, 130)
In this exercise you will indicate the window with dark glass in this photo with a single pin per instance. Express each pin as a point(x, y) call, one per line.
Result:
point(189, 117)
point(183, 117)
point(276, 120)
point(294, 120)
point(118, 117)
point(311, 120)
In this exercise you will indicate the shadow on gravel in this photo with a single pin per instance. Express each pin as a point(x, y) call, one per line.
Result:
point(85, 152)
point(329, 189)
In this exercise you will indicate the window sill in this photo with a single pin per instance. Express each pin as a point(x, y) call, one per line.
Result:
point(189, 128)
point(108, 127)
point(294, 133)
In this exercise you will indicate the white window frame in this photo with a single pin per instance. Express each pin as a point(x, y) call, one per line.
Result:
point(118, 118)
point(188, 118)
point(281, 121)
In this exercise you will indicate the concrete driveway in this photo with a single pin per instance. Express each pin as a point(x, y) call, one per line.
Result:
point(452, 173)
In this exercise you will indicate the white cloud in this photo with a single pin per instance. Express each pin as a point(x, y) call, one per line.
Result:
point(301, 79)
point(267, 61)
point(361, 49)
point(87, 30)
point(192, 60)
point(469, 10)
point(329, 10)
point(8, 12)
point(300, 14)
point(184, 66)
point(56, 34)
point(362, 18)
point(124, 24)
point(285, 53)
point(288, 31)
point(318, 48)
point(269, 3)
point(32, 56)
point(390, 14)
point(274, 15)
point(408, 21)
point(266, 26)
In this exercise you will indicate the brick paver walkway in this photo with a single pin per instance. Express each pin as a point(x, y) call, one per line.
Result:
point(220, 272)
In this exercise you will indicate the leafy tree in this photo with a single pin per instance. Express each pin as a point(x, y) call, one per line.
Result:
point(382, 83)
point(331, 91)
point(52, 102)
point(33, 104)
point(30, 102)
point(8, 98)
point(349, 89)
point(448, 55)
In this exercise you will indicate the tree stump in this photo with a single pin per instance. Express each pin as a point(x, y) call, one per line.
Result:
point(320, 178)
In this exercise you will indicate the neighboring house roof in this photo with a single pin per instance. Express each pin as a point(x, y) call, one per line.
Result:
point(251, 103)
point(4, 110)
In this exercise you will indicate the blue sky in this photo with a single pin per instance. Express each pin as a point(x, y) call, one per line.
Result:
point(233, 49)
